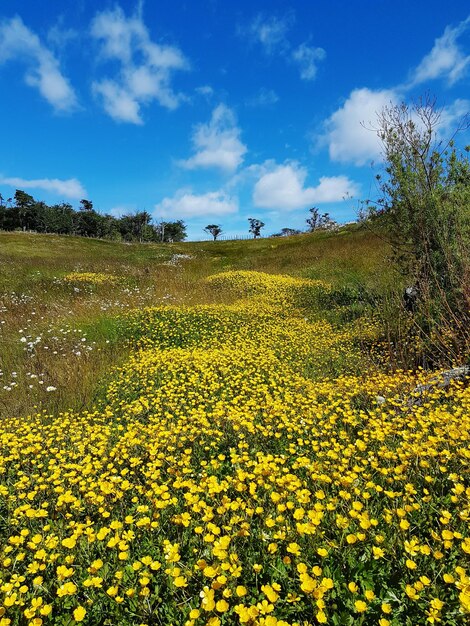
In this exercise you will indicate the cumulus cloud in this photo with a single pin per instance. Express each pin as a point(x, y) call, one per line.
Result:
point(446, 58)
point(348, 131)
point(145, 67)
point(18, 42)
point(283, 188)
point(69, 188)
point(308, 58)
point(217, 143)
point(186, 204)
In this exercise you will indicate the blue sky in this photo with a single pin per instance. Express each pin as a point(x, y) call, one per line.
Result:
point(214, 111)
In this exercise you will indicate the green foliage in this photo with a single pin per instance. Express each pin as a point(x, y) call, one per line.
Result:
point(320, 222)
point(213, 229)
point(425, 208)
point(255, 226)
point(27, 214)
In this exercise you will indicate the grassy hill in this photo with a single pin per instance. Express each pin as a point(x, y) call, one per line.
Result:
point(36, 301)
point(210, 434)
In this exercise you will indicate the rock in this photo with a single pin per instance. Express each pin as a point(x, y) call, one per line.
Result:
point(441, 381)
point(410, 298)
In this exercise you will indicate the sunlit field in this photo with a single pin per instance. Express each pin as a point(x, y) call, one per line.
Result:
point(207, 434)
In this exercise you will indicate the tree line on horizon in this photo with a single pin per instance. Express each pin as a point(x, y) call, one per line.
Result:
point(24, 213)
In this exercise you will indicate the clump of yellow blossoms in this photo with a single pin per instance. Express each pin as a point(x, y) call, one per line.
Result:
point(221, 482)
point(275, 288)
point(96, 278)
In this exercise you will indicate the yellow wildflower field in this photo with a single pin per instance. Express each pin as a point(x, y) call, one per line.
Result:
point(221, 481)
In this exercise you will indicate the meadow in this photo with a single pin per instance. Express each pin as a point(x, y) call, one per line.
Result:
point(210, 434)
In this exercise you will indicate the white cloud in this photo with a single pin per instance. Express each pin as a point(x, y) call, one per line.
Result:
point(217, 144)
point(264, 97)
point(452, 116)
point(349, 131)
point(283, 189)
point(187, 204)
point(119, 211)
point(205, 90)
point(118, 102)
point(145, 67)
point(446, 59)
point(70, 188)
point(17, 41)
point(308, 59)
point(270, 32)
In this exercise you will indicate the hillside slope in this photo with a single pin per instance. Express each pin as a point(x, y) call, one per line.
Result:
point(237, 454)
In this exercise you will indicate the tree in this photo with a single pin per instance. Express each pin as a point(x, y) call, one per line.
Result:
point(213, 229)
point(86, 205)
point(87, 220)
point(136, 226)
point(314, 219)
point(255, 226)
point(287, 232)
point(320, 222)
point(26, 209)
point(171, 231)
point(61, 219)
point(424, 206)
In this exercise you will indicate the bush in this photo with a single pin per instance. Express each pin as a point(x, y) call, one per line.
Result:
point(425, 208)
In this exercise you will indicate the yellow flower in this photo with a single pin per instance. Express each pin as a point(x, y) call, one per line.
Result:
point(360, 606)
point(437, 604)
point(67, 589)
point(377, 552)
point(308, 584)
point(79, 614)
point(207, 603)
point(411, 592)
point(294, 549)
point(222, 606)
point(270, 593)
